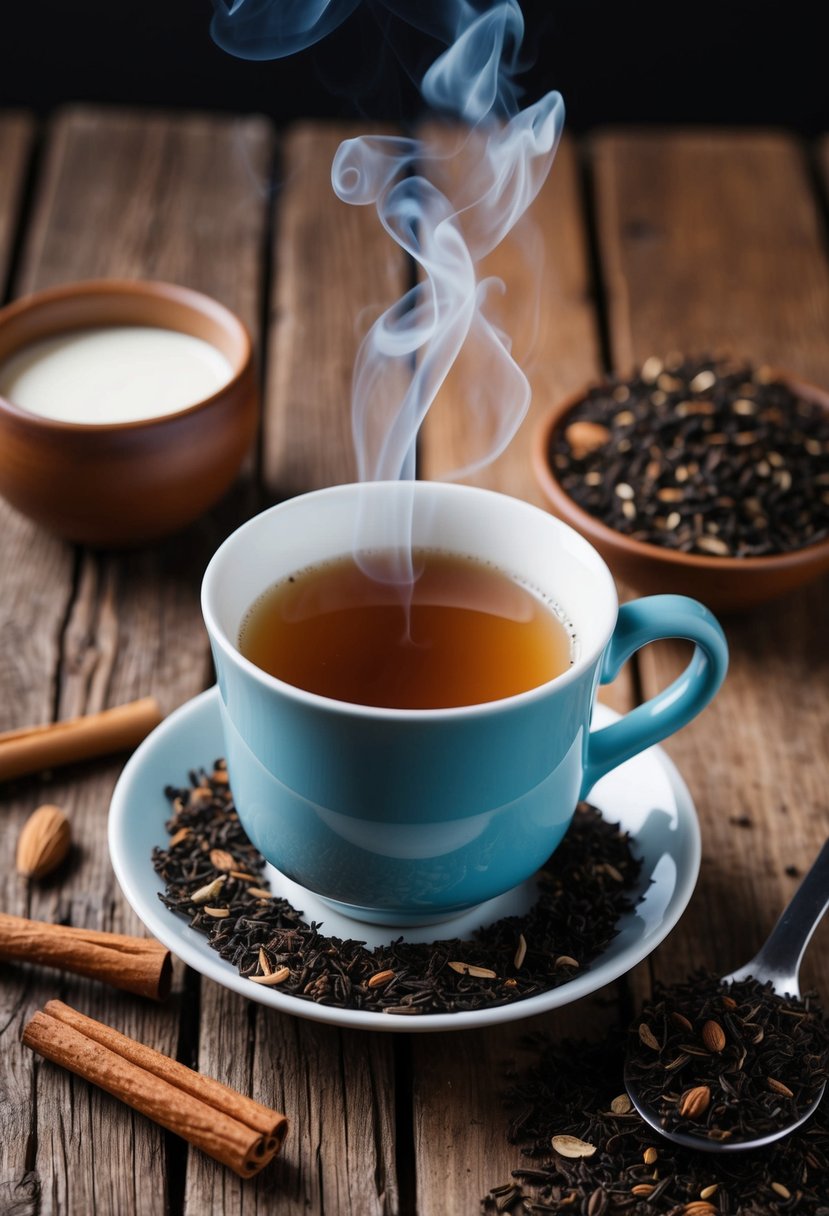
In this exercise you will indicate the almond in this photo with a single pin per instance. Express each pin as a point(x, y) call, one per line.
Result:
point(43, 842)
point(713, 1036)
point(698, 1207)
point(779, 1087)
point(647, 1037)
point(597, 1204)
point(585, 437)
point(220, 859)
point(695, 1102)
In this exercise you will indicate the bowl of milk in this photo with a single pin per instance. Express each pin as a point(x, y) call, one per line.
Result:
point(126, 408)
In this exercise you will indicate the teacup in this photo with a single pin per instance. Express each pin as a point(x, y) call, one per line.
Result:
point(403, 816)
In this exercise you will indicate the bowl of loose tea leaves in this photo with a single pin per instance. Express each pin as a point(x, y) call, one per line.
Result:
point(702, 476)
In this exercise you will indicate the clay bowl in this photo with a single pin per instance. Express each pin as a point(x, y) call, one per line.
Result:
point(721, 583)
point(129, 482)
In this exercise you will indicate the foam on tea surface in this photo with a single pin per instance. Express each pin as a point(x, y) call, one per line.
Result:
point(464, 633)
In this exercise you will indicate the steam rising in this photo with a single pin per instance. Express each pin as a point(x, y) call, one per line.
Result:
point(426, 330)
point(507, 157)
point(274, 29)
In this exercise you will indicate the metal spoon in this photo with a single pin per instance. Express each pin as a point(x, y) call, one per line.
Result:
point(777, 963)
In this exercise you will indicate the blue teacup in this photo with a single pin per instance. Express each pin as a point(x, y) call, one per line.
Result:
point(405, 816)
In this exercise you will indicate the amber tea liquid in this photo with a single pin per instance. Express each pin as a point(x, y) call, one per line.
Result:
point(462, 634)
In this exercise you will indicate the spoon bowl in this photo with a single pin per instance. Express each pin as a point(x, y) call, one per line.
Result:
point(703, 1144)
point(777, 963)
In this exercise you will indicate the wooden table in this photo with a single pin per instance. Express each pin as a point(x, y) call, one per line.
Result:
point(655, 241)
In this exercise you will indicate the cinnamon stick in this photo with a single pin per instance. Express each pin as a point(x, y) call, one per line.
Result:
point(221, 1097)
point(111, 730)
point(233, 1129)
point(134, 964)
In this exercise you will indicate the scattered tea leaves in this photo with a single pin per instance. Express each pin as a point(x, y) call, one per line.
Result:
point(568, 1091)
point(582, 891)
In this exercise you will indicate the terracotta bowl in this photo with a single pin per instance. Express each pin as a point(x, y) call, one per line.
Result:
point(724, 584)
point(129, 482)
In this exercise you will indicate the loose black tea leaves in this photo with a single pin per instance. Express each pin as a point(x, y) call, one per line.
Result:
point(728, 1061)
point(706, 457)
point(574, 1093)
point(214, 876)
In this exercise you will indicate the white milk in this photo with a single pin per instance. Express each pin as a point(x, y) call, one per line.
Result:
point(117, 374)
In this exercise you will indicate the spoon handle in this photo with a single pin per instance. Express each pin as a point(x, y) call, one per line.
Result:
point(779, 959)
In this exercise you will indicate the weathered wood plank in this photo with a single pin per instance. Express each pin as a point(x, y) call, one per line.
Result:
point(337, 1087)
point(459, 1124)
point(336, 269)
point(30, 624)
point(185, 201)
point(121, 195)
point(709, 241)
point(16, 135)
point(29, 616)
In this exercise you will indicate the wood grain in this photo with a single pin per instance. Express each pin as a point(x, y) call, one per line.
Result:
point(336, 269)
point(120, 195)
point(30, 614)
point(30, 618)
point(712, 240)
point(186, 201)
point(16, 137)
point(337, 1087)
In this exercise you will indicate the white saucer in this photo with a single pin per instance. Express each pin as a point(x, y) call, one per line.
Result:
point(646, 796)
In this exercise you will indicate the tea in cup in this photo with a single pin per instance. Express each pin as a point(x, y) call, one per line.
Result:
point(410, 748)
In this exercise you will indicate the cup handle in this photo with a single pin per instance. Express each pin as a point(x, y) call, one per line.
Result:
point(640, 622)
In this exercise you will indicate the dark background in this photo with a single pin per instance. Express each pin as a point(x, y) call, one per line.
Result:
point(733, 62)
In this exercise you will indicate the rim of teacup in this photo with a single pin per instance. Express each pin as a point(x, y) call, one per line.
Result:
point(352, 709)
